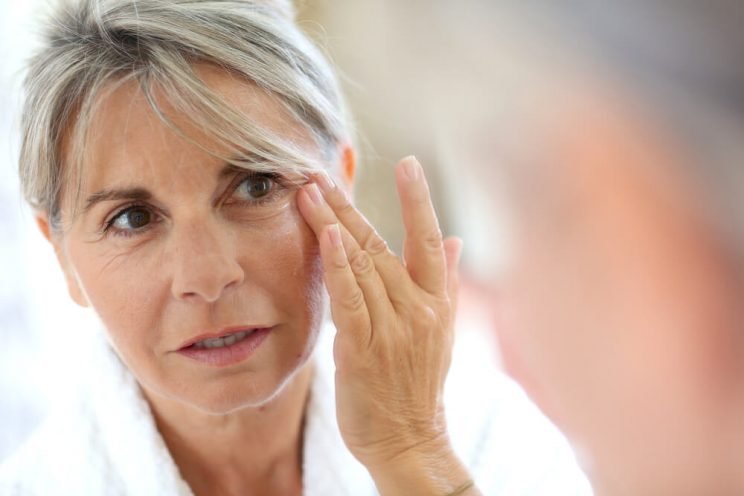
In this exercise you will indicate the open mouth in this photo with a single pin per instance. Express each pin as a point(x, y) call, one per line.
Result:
point(222, 341)
point(228, 349)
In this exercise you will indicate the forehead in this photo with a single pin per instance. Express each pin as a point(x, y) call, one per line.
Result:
point(126, 136)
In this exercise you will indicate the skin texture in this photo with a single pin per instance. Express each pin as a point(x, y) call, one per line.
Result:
point(395, 333)
point(202, 265)
point(208, 255)
point(619, 312)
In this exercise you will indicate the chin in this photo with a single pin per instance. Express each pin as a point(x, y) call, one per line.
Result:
point(243, 391)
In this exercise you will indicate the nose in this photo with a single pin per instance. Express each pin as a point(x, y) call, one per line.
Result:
point(204, 260)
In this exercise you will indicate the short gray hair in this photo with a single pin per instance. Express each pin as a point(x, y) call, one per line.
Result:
point(91, 45)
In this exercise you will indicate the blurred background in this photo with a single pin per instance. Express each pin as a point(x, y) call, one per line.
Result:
point(404, 67)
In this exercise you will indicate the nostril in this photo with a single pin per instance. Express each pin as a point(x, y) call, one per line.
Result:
point(208, 284)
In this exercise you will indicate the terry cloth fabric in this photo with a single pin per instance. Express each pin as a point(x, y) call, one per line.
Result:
point(104, 441)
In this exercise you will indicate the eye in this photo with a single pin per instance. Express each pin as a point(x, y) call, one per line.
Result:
point(131, 219)
point(255, 187)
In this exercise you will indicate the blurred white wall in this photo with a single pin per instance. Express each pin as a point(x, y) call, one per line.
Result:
point(38, 322)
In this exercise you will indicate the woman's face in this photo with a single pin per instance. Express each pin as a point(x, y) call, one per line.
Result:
point(621, 310)
point(173, 246)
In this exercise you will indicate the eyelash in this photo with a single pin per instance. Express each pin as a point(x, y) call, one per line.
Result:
point(109, 229)
point(279, 185)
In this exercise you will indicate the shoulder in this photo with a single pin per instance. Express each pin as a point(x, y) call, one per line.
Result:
point(508, 445)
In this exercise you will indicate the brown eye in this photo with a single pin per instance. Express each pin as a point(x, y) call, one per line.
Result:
point(132, 219)
point(255, 187)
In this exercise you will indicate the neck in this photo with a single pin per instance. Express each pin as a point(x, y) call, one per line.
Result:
point(253, 450)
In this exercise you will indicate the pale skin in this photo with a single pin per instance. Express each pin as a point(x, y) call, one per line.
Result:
point(183, 267)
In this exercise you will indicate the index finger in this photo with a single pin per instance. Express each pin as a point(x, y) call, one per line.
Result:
point(388, 265)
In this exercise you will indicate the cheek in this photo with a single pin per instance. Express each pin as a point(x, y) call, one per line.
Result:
point(123, 288)
point(286, 263)
point(130, 289)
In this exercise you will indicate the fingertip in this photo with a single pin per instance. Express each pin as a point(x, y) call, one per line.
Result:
point(303, 201)
point(325, 181)
point(453, 250)
point(409, 169)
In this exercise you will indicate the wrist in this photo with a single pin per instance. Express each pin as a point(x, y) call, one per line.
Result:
point(430, 468)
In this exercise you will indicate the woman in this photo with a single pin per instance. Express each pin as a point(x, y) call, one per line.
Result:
point(190, 164)
point(618, 145)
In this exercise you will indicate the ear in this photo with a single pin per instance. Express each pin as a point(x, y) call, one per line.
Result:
point(73, 285)
point(347, 165)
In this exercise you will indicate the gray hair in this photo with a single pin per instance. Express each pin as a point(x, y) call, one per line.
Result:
point(91, 46)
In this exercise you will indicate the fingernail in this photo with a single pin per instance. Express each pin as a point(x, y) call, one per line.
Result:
point(335, 235)
point(326, 182)
point(314, 192)
point(412, 168)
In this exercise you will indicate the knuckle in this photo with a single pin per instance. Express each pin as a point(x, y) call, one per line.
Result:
point(433, 239)
point(343, 206)
point(374, 244)
point(339, 263)
point(422, 316)
point(426, 316)
point(354, 301)
point(361, 263)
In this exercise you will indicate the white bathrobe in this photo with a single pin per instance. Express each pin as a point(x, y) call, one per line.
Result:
point(104, 441)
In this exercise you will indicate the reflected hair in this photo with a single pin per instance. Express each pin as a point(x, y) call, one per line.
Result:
point(90, 47)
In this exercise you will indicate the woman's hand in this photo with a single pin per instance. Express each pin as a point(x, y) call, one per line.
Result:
point(395, 332)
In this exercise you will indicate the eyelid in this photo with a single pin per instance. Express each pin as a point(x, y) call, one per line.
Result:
point(118, 212)
point(279, 179)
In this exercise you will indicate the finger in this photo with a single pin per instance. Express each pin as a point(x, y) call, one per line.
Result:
point(348, 306)
point(319, 216)
point(452, 253)
point(423, 250)
point(388, 264)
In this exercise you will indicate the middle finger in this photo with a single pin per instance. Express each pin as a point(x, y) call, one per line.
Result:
point(391, 270)
point(319, 216)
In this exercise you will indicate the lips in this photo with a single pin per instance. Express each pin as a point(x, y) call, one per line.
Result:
point(224, 348)
point(223, 334)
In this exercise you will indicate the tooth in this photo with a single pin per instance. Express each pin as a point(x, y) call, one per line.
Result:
point(230, 340)
point(241, 335)
point(214, 343)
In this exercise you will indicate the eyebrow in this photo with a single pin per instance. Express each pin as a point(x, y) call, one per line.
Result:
point(140, 193)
